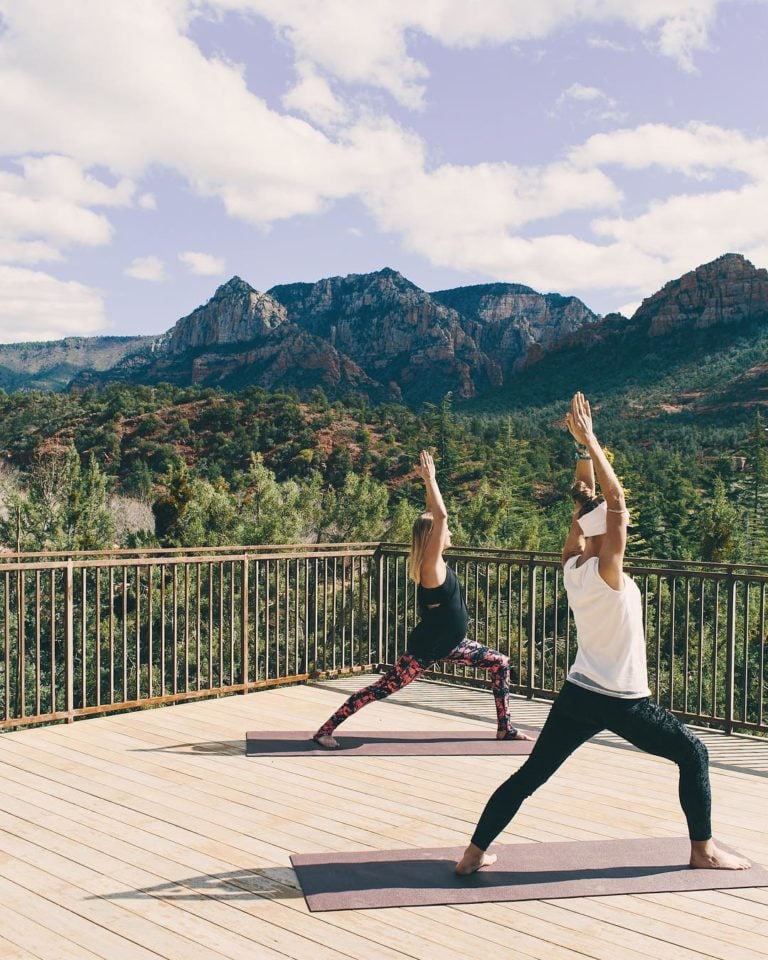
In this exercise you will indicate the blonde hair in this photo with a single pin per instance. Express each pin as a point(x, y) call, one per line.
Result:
point(422, 528)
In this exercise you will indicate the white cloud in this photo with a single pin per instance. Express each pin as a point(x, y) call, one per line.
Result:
point(603, 43)
point(56, 175)
point(36, 306)
point(695, 227)
point(758, 254)
point(195, 116)
point(603, 107)
point(176, 108)
point(147, 201)
point(470, 217)
point(629, 309)
point(202, 263)
point(702, 225)
point(146, 268)
point(51, 199)
point(693, 150)
point(367, 42)
point(313, 96)
point(31, 251)
point(579, 91)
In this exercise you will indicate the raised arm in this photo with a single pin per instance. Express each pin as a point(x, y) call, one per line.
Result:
point(574, 542)
point(432, 565)
point(611, 557)
point(583, 489)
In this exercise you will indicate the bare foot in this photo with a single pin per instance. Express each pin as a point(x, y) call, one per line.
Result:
point(330, 743)
point(473, 859)
point(706, 856)
point(513, 734)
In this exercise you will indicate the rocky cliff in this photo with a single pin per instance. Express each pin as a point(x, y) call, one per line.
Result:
point(236, 313)
point(697, 347)
point(508, 319)
point(374, 333)
point(727, 290)
point(399, 334)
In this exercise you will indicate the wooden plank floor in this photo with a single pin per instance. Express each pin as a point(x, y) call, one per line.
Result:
point(150, 835)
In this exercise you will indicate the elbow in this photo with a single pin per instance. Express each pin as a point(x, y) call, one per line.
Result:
point(614, 495)
point(619, 503)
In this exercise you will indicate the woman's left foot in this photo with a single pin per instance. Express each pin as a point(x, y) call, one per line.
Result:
point(512, 734)
point(707, 856)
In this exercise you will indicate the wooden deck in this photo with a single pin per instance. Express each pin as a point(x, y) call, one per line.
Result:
point(148, 835)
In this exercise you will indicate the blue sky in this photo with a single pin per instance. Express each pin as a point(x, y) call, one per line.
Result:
point(152, 149)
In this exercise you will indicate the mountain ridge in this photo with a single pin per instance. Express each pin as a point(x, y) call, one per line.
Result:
point(381, 335)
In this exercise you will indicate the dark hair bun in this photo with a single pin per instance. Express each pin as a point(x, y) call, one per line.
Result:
point(581, 493)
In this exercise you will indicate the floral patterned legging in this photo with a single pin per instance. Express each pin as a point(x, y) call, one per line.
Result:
point(470, 653)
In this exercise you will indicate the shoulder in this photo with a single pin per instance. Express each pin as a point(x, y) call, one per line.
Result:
point(435, 577)
point(580, 575)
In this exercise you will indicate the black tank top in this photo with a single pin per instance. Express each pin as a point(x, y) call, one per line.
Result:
point(442, 627)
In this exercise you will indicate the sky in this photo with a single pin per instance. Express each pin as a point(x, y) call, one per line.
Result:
point(151, 150)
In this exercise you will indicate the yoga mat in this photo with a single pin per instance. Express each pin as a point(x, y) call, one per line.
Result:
point(429, 743)
point(523, 871)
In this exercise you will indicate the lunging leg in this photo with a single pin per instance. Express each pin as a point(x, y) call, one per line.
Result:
point(470, 653)
point(404, 671)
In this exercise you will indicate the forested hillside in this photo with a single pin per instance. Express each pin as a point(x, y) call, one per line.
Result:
point(259, 467)
point(677, 389)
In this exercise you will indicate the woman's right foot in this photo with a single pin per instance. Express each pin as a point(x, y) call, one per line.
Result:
point(330, 743)
point(473, 859)
point(512, 734)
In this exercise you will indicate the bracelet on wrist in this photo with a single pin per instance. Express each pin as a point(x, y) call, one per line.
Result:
point(578, 455)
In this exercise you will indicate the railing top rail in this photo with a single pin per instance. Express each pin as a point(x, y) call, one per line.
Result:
point(171, 551)
point(151, 556)
point(169, 561)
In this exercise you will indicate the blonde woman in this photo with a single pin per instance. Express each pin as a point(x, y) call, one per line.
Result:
point(440, 634)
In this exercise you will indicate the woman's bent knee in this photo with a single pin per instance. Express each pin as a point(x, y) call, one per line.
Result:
point(501, 663)
point(695, 753)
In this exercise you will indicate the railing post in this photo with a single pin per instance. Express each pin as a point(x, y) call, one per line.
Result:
point(531, 626)
point(730, 653)
point(69, 629)
point(380, 604)
point(244, 625)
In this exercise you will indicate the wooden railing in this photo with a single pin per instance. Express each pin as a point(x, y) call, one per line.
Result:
point(91, 633)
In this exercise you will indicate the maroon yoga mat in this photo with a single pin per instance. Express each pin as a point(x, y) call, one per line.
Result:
point(386, 743)
point(523, 871)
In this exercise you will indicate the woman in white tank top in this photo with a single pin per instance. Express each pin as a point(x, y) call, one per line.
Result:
point(607, 686)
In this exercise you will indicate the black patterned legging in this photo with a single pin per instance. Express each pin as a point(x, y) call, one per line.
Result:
point(578, 714)
point(470, 653)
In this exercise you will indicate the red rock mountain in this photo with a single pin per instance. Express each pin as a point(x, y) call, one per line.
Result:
point(727, 290)
point(381, 335)
point(375, 333)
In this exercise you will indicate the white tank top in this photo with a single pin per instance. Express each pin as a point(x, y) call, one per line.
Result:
point(609, 630)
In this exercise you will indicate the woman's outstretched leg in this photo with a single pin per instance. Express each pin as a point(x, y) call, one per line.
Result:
point(474, 654)
point(406, 669)
point(654, 730)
